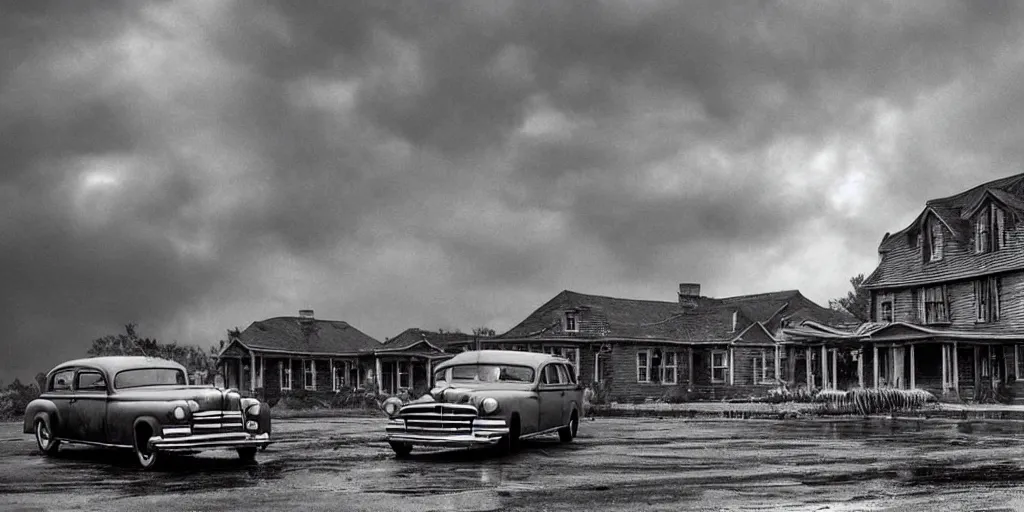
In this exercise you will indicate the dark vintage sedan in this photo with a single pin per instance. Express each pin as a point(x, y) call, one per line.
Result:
point(145, 405)
point(489, 398)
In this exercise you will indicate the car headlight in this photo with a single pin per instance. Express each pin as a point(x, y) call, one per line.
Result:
point(179, 413)
point(193, 405)
point(489, 405)
point(391, 406)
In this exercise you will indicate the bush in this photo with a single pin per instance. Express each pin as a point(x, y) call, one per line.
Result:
point(14, 398)
point(866, 401)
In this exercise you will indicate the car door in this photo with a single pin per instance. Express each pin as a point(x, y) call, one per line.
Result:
point(59, 391)
point(89, 406)
point(551, 393)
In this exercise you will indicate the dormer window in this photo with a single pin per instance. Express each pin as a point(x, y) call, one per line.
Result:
point(570, 322)
point(989, 229)
point(933, 241)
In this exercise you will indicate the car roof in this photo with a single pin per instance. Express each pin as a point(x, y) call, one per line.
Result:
point(532, 359)
point(114, 364)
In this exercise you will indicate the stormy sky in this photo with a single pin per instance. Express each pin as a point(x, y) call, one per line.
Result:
point(194, 166)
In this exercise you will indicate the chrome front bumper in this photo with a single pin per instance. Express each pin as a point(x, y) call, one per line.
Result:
point(200, 441)
point(483, 432)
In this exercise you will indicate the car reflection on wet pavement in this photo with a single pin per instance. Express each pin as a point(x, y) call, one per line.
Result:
point(614, 464)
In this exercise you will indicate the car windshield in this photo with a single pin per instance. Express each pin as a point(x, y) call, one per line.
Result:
point(486, 373)
point(148, 377)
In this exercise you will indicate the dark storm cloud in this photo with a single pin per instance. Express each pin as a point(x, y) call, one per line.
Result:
point(195, 165)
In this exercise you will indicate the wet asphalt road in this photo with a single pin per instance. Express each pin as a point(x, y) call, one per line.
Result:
point(614, 464)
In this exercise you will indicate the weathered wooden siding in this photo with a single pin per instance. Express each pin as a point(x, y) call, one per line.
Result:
point(962, 305)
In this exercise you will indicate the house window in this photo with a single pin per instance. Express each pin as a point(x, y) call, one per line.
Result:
point(570, 322)
point(308, 374)
point(764, 368)
point(339, 370)
point(403, 373)
point(935, 310)
point(990, 229)
point(643, 366)
point(986, 299)
point(1019, 361)
point(669, 368)
point(286, 373)
point(885, 302)
point(719, 365)
point(519, 348)
point(933, 241)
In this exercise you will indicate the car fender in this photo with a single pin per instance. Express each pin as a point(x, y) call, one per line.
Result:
point(149, 420)
point(41, 408)
point(264, 418)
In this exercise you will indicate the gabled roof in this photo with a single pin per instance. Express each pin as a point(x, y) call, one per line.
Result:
point(440, 340)
point(902, 262)
point(631, 319)
point(295, 335)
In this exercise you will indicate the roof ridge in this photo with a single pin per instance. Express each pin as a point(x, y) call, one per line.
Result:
point(987, 185)
point(778, 293)
point(619, 298)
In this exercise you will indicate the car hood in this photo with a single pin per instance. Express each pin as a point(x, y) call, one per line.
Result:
point(208, 398)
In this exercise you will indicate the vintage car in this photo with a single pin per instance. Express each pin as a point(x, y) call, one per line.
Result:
point(143, 404)
point(489, 397)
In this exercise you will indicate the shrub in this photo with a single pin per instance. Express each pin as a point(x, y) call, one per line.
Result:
point(14, 398)
point(874, 400)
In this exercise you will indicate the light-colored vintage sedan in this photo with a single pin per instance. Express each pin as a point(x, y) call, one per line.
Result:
point(489, 397)
point(143, 404)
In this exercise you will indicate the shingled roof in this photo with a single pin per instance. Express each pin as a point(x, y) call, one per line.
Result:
point(412, 336)
point(295, 335)
point(617, 318)
point(903, 264)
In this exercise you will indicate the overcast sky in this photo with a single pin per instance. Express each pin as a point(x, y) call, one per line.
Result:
point(195, 166)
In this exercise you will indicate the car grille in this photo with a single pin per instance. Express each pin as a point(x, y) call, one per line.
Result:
point(441, 419)
point(216, 422)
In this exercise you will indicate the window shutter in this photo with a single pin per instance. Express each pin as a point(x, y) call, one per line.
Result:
point(948, 313)
point(999, 240)
point(996, 287)
point(977, 300)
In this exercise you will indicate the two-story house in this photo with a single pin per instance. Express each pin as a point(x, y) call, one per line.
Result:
point(945, 297)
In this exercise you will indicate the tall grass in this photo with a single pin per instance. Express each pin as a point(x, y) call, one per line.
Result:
point(866, 401)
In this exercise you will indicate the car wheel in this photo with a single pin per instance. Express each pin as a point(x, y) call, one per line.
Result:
point(510, 442)
point(247, 454)
point(47, 444)
point(147, 457)
point(401, 449)
point(568, 432)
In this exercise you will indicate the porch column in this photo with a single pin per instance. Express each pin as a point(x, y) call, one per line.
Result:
point(875, 361)
point(690, 372)
point(945, 368)
point(732, 374)
point(430, 373)
point(824, 367)
point(791, 362)
point(778, 363)
point(913, 368)
point(807, 367)
point(252, 372)
point(860, 367)
point(956, 372)
point(376, 376)
point(835, 372)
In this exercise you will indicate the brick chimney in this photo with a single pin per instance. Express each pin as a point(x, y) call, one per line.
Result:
point(306, 315)
point(688, 295)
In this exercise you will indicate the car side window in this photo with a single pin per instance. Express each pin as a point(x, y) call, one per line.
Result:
point(551, 375)
point(568, 373)
point(563, 375)
point(61, 381)
point(90, 380)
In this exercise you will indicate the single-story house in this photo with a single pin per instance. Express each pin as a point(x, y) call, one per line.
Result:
point(697, 346)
